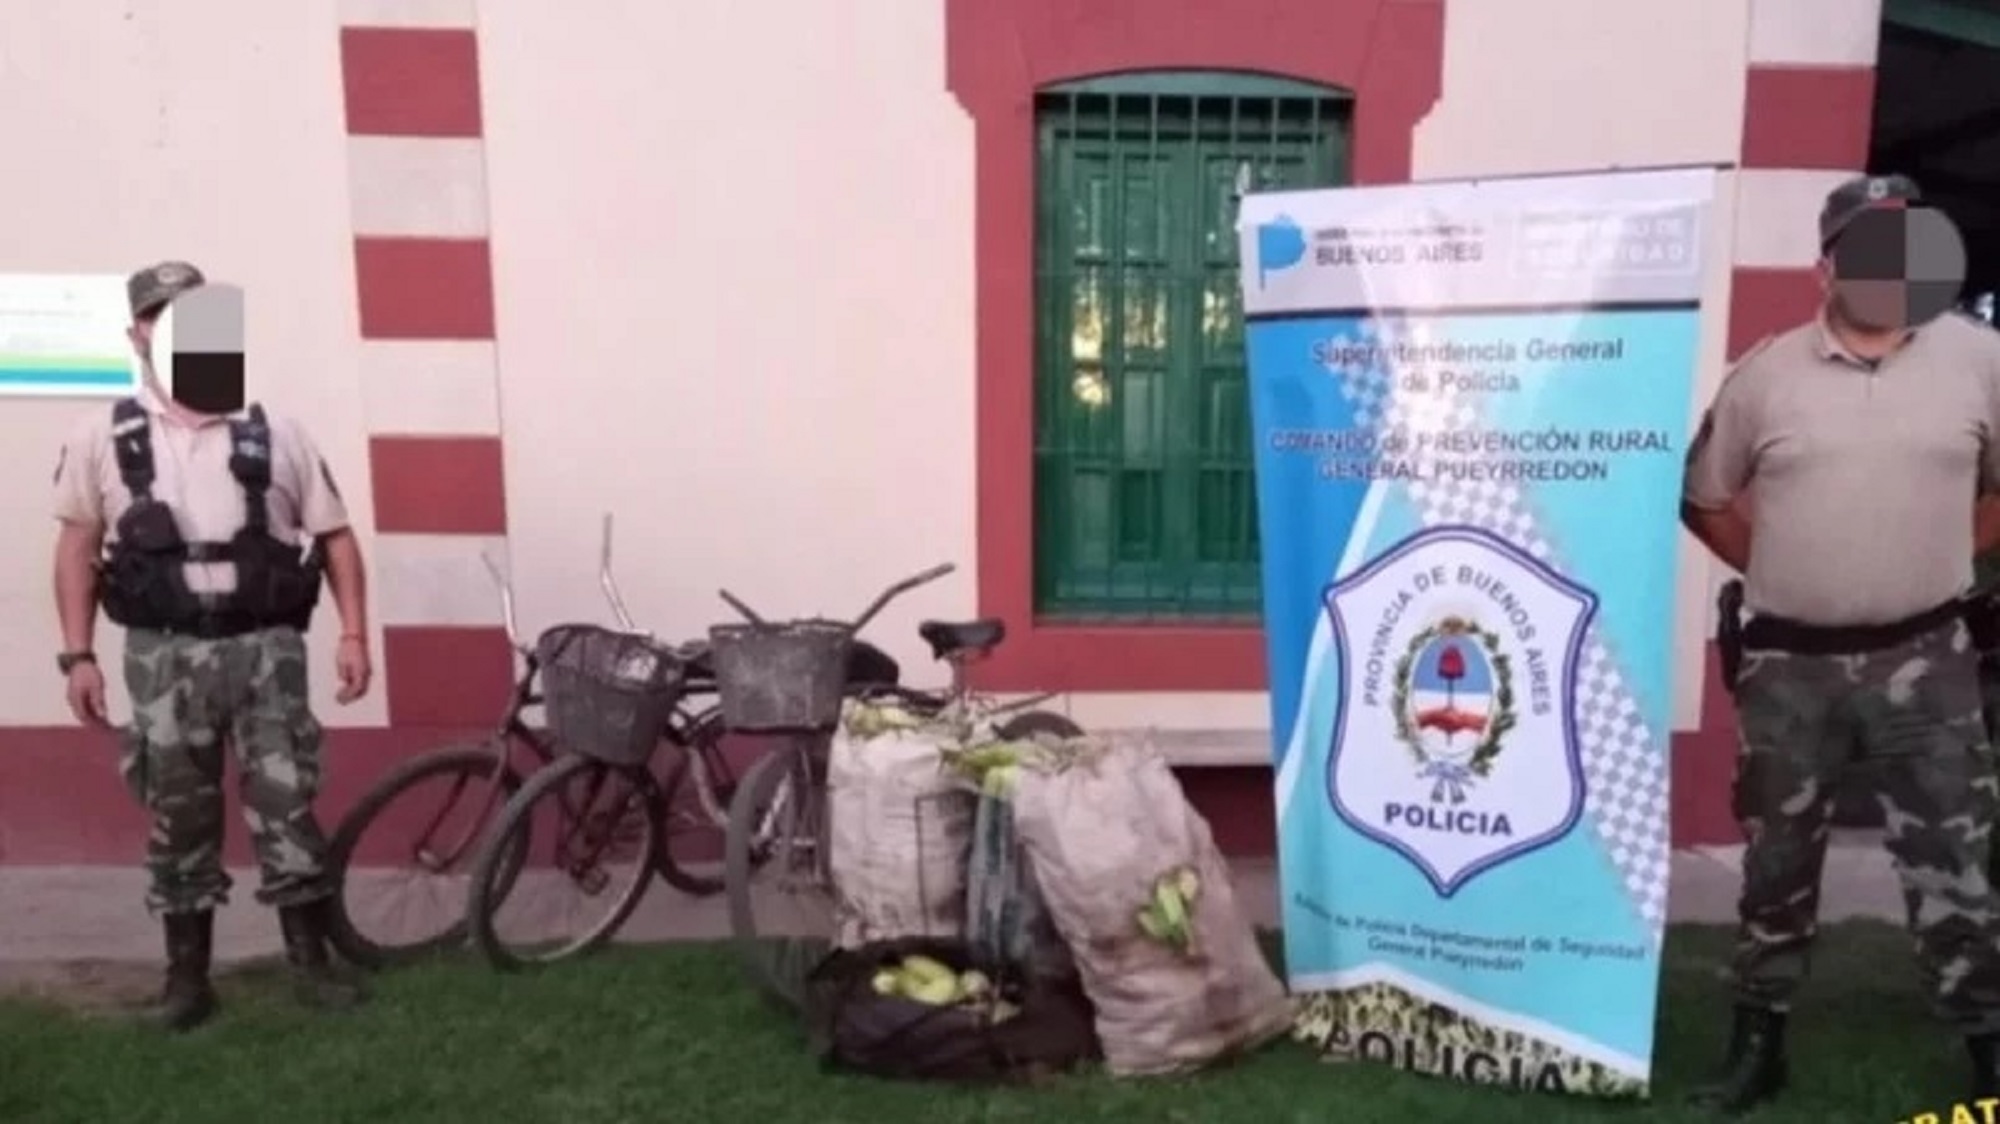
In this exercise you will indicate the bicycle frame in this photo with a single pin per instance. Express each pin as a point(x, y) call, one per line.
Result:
point(510, 731)
point(684, 719)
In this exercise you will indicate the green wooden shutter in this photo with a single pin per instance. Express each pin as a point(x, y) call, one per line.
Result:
point(1144, 504)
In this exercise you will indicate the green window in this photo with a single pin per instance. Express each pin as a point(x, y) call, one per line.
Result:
point(1144, 505)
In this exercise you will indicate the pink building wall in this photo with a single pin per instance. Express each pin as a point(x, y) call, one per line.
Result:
point(755, 279)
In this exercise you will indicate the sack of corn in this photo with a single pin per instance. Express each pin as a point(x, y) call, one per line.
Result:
point(900, 828)
point(1142, 896)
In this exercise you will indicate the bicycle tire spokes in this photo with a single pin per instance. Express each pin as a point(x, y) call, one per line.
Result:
point(407, 897)
point(803, 858)
point(780, 899)
point(600, 836)
point(459, 851)
point(595, 842)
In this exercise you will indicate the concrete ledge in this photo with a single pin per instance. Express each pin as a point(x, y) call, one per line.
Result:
point(1197, 749)
point(95, 913)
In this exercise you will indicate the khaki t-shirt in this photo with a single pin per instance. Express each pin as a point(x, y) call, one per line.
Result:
point(1864, 473)
point(192, 477)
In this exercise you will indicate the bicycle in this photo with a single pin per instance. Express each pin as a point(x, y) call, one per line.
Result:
point(778, 821)
point(482, 776)
point(560, 802)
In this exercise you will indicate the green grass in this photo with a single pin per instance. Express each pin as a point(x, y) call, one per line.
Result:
point(668, 1034)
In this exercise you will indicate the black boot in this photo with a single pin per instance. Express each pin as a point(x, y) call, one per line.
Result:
point(188, 999)
point(1754, 1071)
point(1985, 1051)
point(315, 980)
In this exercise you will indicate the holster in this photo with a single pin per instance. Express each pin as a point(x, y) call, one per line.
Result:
point(1982, 619)
point(274, 584)
point(1729, 631)
point(141, 583)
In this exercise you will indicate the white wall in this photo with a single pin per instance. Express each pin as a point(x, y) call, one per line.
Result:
point(1555, 85)
point(213, 133)
point(733, 251)
point(788, 255)
point(733, 268)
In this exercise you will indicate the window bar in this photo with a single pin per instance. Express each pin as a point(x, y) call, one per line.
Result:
point(1316, 145)
point(1247, 183)
point(1160, 444)
point(1075, 446)
point(1057, 458)
point(1274, 144)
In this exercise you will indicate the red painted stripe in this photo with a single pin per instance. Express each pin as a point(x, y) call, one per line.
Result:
point(424, 288)
point(61, 802)
point(446, 676)
point(438, 485)
point(1764, 302)
point(1126, 658)
point(410, 82)
point(1808, 116)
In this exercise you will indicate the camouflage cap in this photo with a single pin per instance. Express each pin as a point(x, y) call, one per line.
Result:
point(1862, 193)
point(159, 283)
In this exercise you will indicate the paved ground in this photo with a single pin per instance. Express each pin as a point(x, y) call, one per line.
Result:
point(93, 914)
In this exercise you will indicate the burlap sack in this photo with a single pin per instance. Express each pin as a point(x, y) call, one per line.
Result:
point(1098, 835)
point(900, 830)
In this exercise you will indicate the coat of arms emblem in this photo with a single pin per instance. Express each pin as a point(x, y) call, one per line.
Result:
point(1455, 743)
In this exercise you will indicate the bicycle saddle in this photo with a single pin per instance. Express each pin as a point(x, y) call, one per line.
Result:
point(949, 638)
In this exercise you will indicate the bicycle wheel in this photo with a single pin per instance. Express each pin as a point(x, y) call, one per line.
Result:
point(696, 793)
point(571, 839)
point(780, 891)
point(1029, 723)
point(405, 843)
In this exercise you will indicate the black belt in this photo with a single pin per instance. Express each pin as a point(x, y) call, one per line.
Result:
point(215, 623)
point(1776, 634)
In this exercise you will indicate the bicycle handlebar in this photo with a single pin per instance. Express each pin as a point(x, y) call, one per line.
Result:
point(605, 580)
point(749, 614)
point(507, 619)
point(610, 584)
point(900, 588)
point(868, 614)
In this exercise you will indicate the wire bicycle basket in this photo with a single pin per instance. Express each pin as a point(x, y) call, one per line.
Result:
point(608, 695)
point(780, 676)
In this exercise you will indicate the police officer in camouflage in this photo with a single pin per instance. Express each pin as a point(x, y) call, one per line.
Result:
point(208, 536)
point(1861, 436)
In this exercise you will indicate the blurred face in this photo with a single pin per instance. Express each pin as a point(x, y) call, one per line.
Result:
point(1894, 268)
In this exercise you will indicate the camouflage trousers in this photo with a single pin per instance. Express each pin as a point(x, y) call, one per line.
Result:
point(1989, 697)
point(1914, 712)
point(191, 697)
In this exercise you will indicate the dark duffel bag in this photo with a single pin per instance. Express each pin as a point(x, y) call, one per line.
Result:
point(856, 1028)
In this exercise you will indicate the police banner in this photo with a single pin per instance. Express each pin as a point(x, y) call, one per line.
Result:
point(1471, 404)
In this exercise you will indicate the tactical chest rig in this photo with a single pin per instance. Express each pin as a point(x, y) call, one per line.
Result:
point(144, 576)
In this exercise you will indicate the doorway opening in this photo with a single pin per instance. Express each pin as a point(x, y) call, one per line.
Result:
point(1937, 120)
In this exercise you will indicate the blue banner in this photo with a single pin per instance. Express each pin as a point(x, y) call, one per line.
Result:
point(1471, 404)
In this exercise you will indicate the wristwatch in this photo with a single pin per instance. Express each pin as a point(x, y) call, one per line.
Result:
point(66, 662)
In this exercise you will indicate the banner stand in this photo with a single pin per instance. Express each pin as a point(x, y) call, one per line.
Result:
point(1470, 404)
